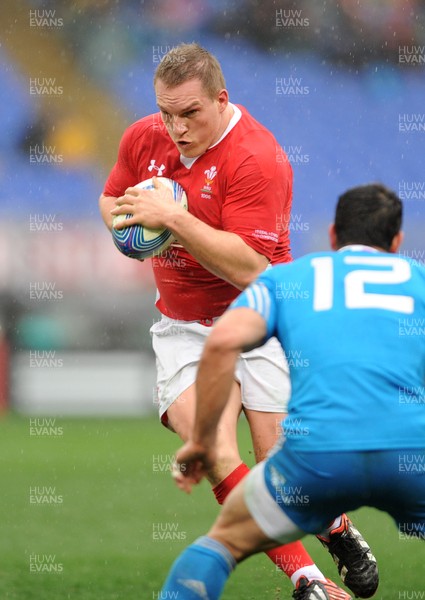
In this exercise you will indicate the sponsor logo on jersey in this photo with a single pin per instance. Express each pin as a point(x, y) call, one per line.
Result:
point(154, 167)
point(210, 174)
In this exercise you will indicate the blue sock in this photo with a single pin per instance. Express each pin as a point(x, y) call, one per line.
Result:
point(201, 571)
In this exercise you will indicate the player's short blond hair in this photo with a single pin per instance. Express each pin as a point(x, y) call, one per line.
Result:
point(190, 61)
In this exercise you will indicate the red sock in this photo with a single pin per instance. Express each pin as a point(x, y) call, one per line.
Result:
point(288, 558)
point(222, 490)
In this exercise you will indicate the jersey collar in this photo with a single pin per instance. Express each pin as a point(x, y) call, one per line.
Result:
point(358, 248)
point(235, 118)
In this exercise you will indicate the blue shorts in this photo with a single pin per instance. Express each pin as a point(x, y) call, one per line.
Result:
point(312, 489)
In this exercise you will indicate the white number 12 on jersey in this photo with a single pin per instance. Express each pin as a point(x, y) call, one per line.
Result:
point(354, 282)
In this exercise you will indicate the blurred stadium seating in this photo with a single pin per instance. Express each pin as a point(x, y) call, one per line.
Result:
point(333, 91)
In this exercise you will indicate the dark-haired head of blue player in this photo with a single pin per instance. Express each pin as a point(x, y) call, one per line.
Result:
point(354, 336)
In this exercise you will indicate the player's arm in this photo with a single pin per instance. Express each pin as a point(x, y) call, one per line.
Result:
point(122, 175)
point(237, 330)
point(223, 253)
point(106, 204)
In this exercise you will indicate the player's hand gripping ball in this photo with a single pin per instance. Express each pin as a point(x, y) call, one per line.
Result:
point(137, 241)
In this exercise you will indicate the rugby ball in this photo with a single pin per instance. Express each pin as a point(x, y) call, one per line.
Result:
point(137, 241)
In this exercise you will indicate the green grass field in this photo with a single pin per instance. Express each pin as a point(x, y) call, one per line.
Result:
point(89, 511)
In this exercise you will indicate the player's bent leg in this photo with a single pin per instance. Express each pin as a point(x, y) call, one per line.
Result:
point(356, 564)
point(202, 570)
point(271, 517)
point(181, 415)
point(238, 531)
point(293, 559)
point(178, 347)
point(288, 468)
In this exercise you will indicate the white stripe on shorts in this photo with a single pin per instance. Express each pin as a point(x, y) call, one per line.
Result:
point(265, 511)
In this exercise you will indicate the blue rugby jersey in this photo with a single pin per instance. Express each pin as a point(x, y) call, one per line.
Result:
point(352, 325)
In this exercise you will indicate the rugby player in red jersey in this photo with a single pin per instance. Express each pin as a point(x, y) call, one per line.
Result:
point(239, 187)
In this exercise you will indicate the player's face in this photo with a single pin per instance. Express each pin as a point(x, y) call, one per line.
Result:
point(193, 120)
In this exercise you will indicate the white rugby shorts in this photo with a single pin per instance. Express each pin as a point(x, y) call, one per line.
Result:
point(262, 373)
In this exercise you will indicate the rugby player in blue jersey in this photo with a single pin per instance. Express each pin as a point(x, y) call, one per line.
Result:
point(348, 427)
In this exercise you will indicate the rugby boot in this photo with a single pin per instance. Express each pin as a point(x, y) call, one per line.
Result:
point(355, 562)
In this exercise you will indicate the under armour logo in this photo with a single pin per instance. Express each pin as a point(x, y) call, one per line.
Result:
point(153, 167)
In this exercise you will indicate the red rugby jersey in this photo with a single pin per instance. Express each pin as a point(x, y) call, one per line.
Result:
point(242, 184)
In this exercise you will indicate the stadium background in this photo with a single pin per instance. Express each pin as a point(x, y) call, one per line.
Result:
point(341, 85)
